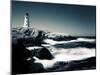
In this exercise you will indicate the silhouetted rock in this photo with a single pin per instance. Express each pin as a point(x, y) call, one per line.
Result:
point(43, 53)
point(20, 54)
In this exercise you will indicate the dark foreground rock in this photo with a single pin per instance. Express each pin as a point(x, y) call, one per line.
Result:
point(19, 63)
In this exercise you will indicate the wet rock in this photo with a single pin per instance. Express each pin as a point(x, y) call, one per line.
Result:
point(43, 53)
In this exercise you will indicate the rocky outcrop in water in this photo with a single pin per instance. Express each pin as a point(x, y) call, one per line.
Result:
point(42, 53)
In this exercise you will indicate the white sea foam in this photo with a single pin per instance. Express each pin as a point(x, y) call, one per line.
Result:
point(52, 42)
point(33, 47)
point(86, 39)
point(67, 55)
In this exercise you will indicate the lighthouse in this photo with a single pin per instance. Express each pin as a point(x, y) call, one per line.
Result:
point(26, 21)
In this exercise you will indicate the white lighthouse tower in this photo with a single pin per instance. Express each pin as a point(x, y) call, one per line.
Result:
point(26, 21)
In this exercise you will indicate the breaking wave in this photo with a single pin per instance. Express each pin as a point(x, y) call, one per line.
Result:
point(65, 54)
point(52, 42)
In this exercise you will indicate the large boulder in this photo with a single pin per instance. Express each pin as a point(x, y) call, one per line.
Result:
point(43, 53)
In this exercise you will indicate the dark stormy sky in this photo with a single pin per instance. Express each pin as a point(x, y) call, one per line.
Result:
point(63, 18)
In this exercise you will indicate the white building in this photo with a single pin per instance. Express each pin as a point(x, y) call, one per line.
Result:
point(26, 21)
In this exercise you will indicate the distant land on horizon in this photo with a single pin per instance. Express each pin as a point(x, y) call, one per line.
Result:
point(80, 35)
